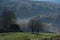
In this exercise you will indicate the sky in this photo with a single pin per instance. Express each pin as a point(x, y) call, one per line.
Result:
point(55, 1)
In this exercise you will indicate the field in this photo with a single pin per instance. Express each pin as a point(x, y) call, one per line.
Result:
point(25, 36)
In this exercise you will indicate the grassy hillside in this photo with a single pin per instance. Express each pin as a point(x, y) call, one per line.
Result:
point(25, 36)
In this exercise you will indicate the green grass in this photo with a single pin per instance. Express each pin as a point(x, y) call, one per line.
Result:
point(24, 35)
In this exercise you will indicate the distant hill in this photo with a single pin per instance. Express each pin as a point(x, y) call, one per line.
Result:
point(28, 9)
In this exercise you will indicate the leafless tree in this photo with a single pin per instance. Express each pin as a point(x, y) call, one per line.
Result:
point(8, 18)
point(35, 25)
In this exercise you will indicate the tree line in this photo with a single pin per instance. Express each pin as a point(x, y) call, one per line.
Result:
point(8, 22)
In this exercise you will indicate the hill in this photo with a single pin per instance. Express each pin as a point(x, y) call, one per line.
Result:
point(26, 9)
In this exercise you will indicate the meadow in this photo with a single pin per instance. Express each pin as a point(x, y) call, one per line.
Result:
point(26, 36)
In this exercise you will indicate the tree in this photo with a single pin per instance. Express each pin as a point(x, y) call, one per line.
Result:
point(35, 25)
point(8, 18)
point(14, 28)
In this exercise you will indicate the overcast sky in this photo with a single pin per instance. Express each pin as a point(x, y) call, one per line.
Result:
point(56, 1)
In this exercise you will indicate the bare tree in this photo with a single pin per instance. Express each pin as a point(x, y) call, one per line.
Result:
point(8, 18)
point(34, 25)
